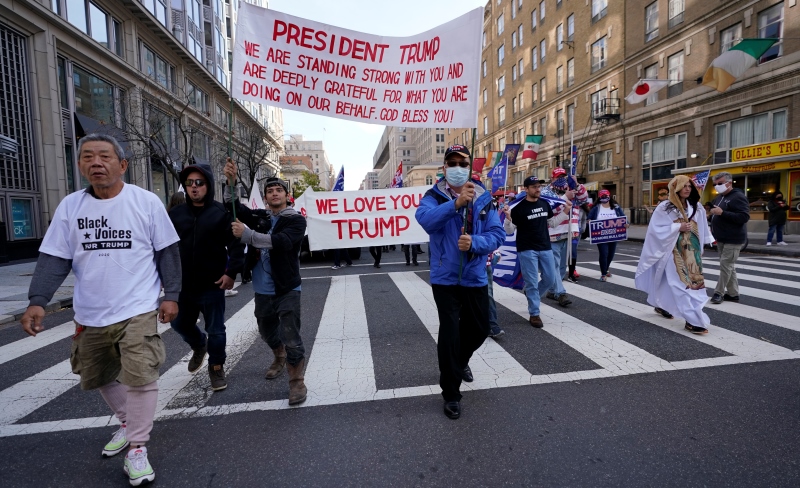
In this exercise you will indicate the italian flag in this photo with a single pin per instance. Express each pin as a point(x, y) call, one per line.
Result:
point(531, 148)
point(493, 159)
point(733, 63)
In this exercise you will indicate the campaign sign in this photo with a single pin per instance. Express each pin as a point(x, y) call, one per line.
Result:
point(608, 230)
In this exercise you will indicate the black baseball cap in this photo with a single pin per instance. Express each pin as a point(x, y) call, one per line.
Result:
point(531, 180)
point(457, 149)
point(272, 181)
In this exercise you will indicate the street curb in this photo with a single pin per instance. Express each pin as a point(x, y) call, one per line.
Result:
point(787, 253)
point(16, 315)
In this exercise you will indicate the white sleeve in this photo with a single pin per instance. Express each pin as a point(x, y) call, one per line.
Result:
point(56, 240)
point(162, 232)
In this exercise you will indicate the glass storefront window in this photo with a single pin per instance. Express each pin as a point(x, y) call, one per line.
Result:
point(76, 13)
point(760, 189)
point(159, 176)
point(22, 218)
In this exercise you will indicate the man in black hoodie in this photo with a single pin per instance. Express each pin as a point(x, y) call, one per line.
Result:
point(211, 256)
point(730, 212)
point(274, 237)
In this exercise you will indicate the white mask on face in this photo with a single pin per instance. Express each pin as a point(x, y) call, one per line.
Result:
point(721, 188)
point(457, 176)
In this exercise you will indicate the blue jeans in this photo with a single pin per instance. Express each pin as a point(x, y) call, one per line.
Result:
point(211, 303)
point(771, 232)
point(559, 266)
point(532, 262)
point(606, 250)
point(492, 305)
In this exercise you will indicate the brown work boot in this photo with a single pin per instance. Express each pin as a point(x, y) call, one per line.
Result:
point(217, 374)
point(276, 368)
point(297, 388)
point(536, 321)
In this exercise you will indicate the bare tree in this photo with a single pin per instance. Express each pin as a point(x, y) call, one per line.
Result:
point(255, 156)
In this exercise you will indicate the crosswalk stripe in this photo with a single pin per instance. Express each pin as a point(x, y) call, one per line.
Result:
point(24, 397)
point(793, 264)
point(491, 364)
point(745, 290)
point(19, 348)
point(774, 270)
point(608, 351)
point(754, 313)
point(178, 388)
point(340, 367)
point(727, 340)
point(778, 258)
point(361, 265)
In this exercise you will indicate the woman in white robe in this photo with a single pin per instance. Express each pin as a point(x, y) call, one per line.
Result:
point(670, 268)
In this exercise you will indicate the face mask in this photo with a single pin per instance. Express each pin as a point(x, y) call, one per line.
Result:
point(560, 184)
point(457, 176)
point(721, 188)
point(604, 199)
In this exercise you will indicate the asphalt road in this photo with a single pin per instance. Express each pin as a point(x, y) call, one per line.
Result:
point(607, 394)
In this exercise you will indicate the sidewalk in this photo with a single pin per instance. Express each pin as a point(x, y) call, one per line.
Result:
point(756, 245)
point(15, 279)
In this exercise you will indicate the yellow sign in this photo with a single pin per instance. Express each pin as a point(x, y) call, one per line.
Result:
point(761, 168)
point(773, 149)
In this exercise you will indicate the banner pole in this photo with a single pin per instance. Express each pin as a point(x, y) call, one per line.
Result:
point(230, 152)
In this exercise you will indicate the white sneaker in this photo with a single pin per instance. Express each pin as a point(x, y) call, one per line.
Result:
point(770, 243)
point(138, 468)
point(231, 293)
point(782, 244)
point(118, 442)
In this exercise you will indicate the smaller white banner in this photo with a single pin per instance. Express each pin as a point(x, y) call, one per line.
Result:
point(345, 219)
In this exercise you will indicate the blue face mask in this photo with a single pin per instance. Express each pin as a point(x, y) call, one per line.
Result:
point(604, 199)
point(456, 176)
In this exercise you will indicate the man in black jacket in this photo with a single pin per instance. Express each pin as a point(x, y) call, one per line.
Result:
point(274, 237)
point(730, 212)
point(211, 256)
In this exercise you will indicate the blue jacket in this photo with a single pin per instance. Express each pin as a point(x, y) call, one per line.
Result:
point(437, 214)
point(596, 210)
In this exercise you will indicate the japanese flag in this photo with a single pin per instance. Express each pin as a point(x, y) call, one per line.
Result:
point(644, 89)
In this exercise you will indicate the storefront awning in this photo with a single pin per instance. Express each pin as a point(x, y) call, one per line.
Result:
point(752, 166)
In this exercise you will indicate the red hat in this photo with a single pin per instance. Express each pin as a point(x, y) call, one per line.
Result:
point(603, 193)
point(558, 172)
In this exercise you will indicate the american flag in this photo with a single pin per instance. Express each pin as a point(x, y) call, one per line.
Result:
point(700, 179)
point(397, 181)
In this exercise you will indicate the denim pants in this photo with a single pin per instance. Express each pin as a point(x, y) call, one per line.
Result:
point(211, 303)
point(771, 232)
point(560, 266)
point(278, 318)
point(492, 305)
point(463, 326)
point(606, 250)
point(533, 262)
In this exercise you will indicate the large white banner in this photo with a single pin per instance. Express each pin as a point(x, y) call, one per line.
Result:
point(361, 218)
point(427, 80)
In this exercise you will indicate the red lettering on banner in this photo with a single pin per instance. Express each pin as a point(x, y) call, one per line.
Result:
point(261, 91)
point(255, 70)
point(415, 116)
point(354, 110)
point(366, 204)
point(294, 79)
point(459, 94)
point(406, 201)
point(439, 95)
point(415, 77)
point(375, 227)
point(455, 71)
point(419, 52)
point(394, 96)
point(278, 56)
point(437, 73)
point(251, 49)
point(381, 76)
point(416, 96)
point(327, 206)
point(445, 116)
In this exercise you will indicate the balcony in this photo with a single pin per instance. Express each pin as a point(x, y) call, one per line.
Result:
point(606, 109)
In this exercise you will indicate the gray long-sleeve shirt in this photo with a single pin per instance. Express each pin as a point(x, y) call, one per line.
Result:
point(51, 271)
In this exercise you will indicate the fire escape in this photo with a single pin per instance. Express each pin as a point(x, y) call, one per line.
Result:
point(605, 112)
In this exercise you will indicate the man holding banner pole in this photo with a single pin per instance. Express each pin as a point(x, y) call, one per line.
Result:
point(464, 227)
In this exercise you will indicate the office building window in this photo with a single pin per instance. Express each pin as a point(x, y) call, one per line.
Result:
point(571, 27)
point(571, 72)
point(651, 73)
point(155, 67)
point(534, 94)
point(534, 58)
point(543, 88)
point(485, 126)
point(754, 129)
point(501, 54)
point(514, 74)
point(599, 9)
point(513, 40)
point(651, 22)
point(501, 114)
point(675, 74)
point(484, 69)
point(770, 25)
point(559, 37)
point(541, 12)
point(660, 156)
point(501, 86)
point(730, 37)
point(559, 79)
point(676, 8)
point(534, 19)
point(500, 25)
point(519, 34)
point(542, 49)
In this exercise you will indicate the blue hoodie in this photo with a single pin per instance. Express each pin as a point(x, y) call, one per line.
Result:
point(437, 214)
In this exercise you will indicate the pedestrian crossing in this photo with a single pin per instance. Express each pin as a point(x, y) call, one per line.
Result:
point(345, 365)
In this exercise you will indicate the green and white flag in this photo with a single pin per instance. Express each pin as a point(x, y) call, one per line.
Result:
point(531, 148)
point(733, 63)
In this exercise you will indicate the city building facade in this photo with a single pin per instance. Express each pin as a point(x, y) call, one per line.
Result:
point(153, 73)
point(296, 145)
point(292, 168)
point(423, 175)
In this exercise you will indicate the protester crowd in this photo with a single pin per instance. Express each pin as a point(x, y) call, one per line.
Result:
point(176, 265)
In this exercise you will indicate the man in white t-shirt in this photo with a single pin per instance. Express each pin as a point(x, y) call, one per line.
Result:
point(121, 244)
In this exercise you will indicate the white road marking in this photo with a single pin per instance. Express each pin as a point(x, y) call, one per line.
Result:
point(773, 270)
point(19, 348)
point(792, 263)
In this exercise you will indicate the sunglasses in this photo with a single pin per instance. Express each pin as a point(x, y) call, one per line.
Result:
point(453, 164)
point(197, 182)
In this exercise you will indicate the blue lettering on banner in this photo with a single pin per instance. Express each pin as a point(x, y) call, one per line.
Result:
point(608, 230)
point(508, 272)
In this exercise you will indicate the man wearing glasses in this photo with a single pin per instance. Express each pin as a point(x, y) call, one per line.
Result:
point(458, 214)
point(211, 256)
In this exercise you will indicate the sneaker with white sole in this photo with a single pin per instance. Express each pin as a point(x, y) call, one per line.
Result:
point(769, 243)
point(231, 293)
point(782, 243)
point(118, 442)
point(138, 468)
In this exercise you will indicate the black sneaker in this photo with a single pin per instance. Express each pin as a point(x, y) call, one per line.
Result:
point(729, 298)
point(551, 295)
point(495, 331)
point(695, 329)
point(572, 279)
point(716, 299)
point(197, 358)
point(564, 300)
point(664, 313)
point(217, 374)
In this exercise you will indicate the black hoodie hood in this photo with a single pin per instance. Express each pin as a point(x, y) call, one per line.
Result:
point(205, 169)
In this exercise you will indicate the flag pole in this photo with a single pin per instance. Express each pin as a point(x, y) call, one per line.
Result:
point(230, 140)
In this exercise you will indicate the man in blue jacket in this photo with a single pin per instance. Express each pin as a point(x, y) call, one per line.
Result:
point(464, 228)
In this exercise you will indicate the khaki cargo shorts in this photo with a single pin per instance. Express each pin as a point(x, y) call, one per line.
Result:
point(130, 351)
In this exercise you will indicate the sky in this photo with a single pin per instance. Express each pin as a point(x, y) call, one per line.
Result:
point(353, 144)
